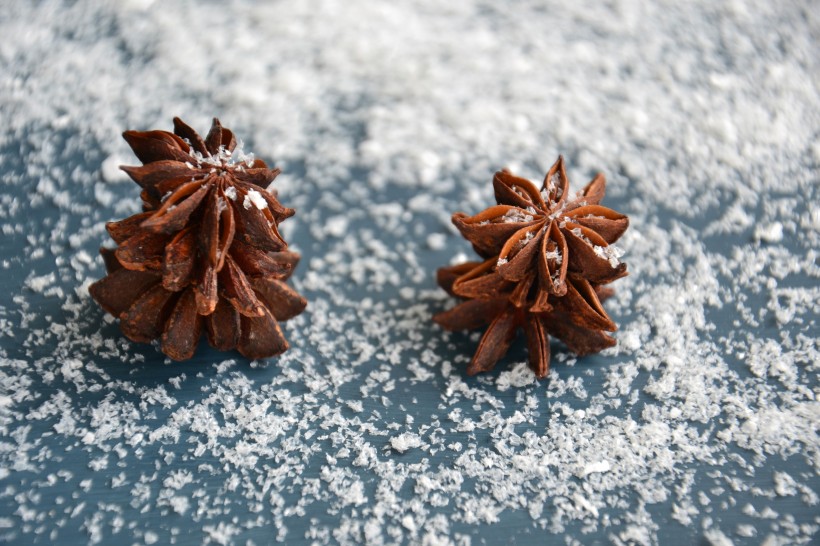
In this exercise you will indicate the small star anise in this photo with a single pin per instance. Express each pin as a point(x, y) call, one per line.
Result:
point(206, 251)
point(547, 257)
point(544, 234)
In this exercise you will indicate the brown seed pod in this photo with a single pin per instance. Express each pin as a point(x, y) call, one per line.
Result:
point(547, 256)
point(206, 254)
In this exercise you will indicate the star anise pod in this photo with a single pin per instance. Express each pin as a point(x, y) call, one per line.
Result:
point(547, 257)
point(542, 235)
point(205, 252)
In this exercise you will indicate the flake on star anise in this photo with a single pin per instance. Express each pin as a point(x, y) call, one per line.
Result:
point(205, 254)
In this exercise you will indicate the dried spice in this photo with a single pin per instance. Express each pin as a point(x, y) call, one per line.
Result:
point(547, 257)
point(205, 253)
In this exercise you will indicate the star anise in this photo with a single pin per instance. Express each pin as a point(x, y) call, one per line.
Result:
point(544, 234)
point(547, 259)
point(206, 251)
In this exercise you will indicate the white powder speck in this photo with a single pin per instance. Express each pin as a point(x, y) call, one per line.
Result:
point(110, 169)
point(437, 241)
point(40, 283)
point(610, 253)
point(784, 485)
point(746, 530)
point(336, 226)
point(180, 505)
point(254, 198)
point(459, 258)
point(770, 233)
point(596, 467)
point(716, 537)
point(405, 442)
point(408, 523)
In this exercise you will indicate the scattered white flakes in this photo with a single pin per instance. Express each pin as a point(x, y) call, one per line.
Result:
point(355, 405)
point(707, 405)
point(556, 256)
point(516, 215)
point(72, 371)
point(103, 195)
point(180, 505)
point(772, 540)
point(735, 220)
point(98, 464)
point(222, 533)
point(236, 158)
point(526, 239)
point(408, 523)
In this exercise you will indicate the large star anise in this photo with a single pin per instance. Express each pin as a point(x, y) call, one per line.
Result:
point(206, 249)
point(547, 257)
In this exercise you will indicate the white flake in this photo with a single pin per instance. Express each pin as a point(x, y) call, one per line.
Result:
point(596, 467)
point(336, 226)
point(405, 442)
point(610, 253)
point(437, 241)
point(255, 199)
point(770, 233)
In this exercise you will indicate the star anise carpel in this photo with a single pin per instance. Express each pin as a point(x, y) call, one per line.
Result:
point(205, 250)
point(547, 256)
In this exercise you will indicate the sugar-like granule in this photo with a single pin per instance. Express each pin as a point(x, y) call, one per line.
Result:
point(254, 199)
